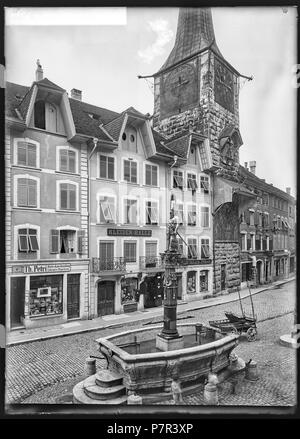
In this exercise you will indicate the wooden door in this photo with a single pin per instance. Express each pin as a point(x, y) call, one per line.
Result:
point(106, 298)
point(223, 277)
point(17, 299)
point(73, 296)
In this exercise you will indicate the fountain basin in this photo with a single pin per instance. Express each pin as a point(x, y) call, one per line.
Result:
point(150, 373)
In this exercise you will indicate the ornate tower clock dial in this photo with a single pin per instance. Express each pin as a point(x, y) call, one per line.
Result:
point(178, 90)
point(224, 86)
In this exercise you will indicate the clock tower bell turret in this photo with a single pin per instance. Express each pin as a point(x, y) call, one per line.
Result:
point(196, 88)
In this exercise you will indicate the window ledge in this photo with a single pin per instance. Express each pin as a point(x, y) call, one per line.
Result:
point(67, 211)
point(37, 209)
point(106, 224)
point(31, 168)
point(67, 173)
point(111, 180)
point(129, 182)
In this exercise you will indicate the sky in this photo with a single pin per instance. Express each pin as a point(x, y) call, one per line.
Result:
point(101, 51)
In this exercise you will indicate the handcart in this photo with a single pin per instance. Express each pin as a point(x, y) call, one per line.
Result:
point(236, 324)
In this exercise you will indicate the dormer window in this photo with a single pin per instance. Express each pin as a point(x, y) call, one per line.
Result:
point(45, 116)
point(39, 115)
point(129, 140)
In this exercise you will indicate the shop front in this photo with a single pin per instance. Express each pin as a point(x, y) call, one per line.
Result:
point(151, 287)
point(196, 282)
point(130, 294)
point(46, 294)
point(280, 266)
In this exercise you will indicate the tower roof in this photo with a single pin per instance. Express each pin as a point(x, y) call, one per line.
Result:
point(195, 33)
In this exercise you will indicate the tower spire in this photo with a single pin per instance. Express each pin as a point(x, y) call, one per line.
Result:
point(195, 33)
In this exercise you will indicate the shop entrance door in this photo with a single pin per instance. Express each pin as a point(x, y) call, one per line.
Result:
point(73, 296)
point(223, 277)
point(258, 271)
point(17, 299)
point(106, 298)
point(267, 271)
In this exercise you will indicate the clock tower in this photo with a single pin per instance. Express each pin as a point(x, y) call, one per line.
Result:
point(196, 88)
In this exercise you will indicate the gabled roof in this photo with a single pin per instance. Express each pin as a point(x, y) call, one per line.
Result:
point(114, 127)
point(159, 144)
point(14, 95)
point(49, 84)
point(251, 178)
point(104, 114)
point(24, 105)
point(132, 110)
point(84, 124)
point(179, 144)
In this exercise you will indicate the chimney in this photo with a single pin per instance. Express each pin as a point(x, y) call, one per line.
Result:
point(288, 190)
point(76, 94)
point(39, 74)
point(252, 166)
point(246, 165)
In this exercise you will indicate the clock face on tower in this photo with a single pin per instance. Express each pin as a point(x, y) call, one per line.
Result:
point(224, 86)
point(178, 90)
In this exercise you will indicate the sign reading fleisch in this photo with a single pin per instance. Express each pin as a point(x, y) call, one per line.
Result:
point(129, 232)
point(41, 268)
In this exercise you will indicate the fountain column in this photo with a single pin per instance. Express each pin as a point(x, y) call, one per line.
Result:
point(169, 338)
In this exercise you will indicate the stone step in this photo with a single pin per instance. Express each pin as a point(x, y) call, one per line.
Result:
point(80, 397)
point(107, 378)
point(95, 391)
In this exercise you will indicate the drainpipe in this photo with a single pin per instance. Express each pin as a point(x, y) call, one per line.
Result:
point(95, 141)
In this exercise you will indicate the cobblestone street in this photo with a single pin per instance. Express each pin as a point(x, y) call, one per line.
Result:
point(40, 372)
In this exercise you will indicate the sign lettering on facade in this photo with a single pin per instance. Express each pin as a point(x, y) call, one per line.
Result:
point(41, 268)
point(128, 232)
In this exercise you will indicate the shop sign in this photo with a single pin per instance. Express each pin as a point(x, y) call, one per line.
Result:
point(41, 268)
point(129, 232)
point(195, 261)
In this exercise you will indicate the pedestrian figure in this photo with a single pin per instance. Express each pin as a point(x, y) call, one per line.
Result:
point(176, 390)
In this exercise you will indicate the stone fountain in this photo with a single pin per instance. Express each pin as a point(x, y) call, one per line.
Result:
point(144, 361)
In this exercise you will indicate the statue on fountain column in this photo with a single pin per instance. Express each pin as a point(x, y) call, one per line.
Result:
point(173, 244)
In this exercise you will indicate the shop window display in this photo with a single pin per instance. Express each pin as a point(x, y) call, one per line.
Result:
point(129, 290)
point(203, 280)
point(191, 282)
point(46, 295)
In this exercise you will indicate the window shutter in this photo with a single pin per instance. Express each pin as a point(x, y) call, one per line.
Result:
point(80, 245)
point(54, 241)
point(256, 219)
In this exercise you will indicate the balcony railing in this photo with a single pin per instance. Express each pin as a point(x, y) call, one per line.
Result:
point(111, 264)
point(150, 262)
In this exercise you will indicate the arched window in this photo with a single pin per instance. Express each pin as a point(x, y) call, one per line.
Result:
point(39, 115)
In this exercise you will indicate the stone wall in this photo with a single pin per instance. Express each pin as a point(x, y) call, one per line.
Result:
point(228, 253)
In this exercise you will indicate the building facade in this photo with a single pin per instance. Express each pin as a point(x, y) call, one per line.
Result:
point(46, 208)
point(267, 231)
point(89, 191)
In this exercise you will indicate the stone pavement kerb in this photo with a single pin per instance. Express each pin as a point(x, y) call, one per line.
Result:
point(80, 326)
